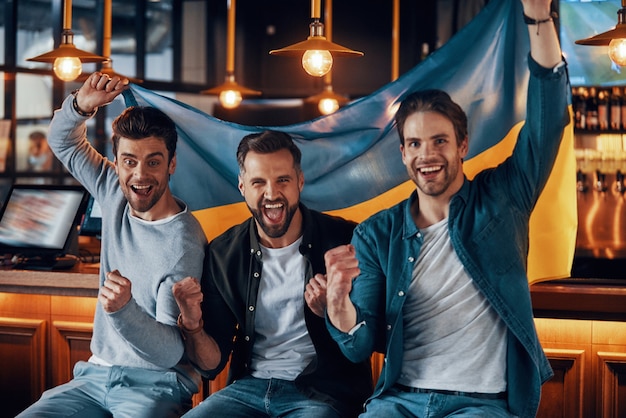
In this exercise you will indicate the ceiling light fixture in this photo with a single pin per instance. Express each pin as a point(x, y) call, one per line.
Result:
point(316, 51)
point(328, 101)
point(614, 38)
point(230, 93)
point(67, 59)
point(107, 66)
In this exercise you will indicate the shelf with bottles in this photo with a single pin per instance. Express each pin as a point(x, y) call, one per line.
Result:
point(599, 109)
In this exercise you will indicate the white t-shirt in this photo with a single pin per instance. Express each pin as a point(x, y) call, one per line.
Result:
point(282, 347)
point(453, 339)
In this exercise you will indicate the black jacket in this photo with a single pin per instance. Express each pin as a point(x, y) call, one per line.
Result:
point(230, 283)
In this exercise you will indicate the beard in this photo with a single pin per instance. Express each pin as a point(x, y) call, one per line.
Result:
point(438, 186)
point(274, 230)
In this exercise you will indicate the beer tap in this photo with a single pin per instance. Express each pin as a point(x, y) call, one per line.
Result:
point(600, 181)
point(581, 181)
point(619, 182)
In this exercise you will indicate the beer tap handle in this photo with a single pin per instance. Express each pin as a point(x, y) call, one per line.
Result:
point(619, 181)
point(600, 181)
point(581, 181)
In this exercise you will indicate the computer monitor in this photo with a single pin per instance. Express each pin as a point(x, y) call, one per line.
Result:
point(91, 224)
point(39, 225)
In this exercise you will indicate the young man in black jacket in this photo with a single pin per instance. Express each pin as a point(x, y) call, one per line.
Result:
point(261, 301)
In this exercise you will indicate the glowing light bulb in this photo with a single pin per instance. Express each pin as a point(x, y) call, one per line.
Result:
point(67, 68)
point(328, 105)
point(230, 99)
point(317, 62)
point(617, 51)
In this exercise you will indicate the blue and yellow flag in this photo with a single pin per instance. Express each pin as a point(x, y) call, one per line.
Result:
point(351, 159)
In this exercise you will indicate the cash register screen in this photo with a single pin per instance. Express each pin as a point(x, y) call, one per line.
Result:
point(92, 221)
point(41, 220)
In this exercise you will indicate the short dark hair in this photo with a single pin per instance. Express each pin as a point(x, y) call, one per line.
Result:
point(432, 101)
point(140, 122)
point(267, 142)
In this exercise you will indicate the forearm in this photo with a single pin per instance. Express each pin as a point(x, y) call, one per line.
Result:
point(156, 342)
point(544, 41)
point(342, 314)
point(202, 349)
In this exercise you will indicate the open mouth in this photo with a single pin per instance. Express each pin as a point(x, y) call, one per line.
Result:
point(274, 212)
point(430, 171)
point(141, 190)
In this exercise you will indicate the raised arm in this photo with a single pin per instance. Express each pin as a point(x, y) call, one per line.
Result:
point(544, 41)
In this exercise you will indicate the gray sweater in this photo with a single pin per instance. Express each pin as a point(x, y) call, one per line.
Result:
point(152, 255)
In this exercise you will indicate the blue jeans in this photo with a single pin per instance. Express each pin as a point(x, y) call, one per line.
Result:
point(395, 403)
point(100, 391)
point(251, 397)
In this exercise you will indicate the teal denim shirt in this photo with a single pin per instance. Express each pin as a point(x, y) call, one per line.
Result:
point(488, 226)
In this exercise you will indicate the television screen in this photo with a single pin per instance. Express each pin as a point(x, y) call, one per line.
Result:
point(92, 221)
point(589, 65)
point(39, 222)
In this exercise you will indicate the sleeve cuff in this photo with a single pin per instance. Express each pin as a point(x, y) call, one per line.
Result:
point(356, 328)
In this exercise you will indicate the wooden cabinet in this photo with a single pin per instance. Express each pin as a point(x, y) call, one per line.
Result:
point(589, 361)
point(41, 337)
point(582, 328)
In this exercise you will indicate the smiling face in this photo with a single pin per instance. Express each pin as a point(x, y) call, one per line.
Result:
point(271, 186)
point(143, 170)
point(432, 155)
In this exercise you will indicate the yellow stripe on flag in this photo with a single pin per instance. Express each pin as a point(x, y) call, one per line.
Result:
point(552, 224)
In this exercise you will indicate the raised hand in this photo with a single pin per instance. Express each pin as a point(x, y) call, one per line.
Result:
point(341, 268)
point(315, 294)
point(115, 292)
point(98, 90)
point(188, 295)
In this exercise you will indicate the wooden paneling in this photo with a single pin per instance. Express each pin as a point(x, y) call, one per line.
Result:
point(70, 344)
point(612, 378)
point(589, 361)
point(23, 377)
point(562, 396)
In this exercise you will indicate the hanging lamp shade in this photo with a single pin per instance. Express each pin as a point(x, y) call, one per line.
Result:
point(315, 42)
point(67, 59)
point(316, 51)
point(68, 49)
point(230, 84)
point(614, 38)
point(605, 38)
point(230, 93)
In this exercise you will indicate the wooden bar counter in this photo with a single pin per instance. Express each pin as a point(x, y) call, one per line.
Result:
point(81, 281)
point(46, 326)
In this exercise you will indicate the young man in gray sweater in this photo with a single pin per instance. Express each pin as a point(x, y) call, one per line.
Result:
point(150, 241)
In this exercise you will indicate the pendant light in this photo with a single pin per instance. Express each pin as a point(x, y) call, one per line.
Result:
point(67, 59)
point(230, 93)
point(316, 51)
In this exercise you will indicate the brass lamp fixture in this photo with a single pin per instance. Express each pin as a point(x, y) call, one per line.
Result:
point(316, 51)
point(230, 93)
point(614, 38)
point(67, 59)
point(328, 101)
point(107, 66)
